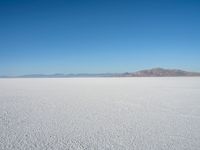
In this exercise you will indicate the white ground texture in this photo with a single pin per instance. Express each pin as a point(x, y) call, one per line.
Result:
point(100, 114)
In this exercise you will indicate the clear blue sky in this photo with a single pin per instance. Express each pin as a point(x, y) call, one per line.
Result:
point(93, 36)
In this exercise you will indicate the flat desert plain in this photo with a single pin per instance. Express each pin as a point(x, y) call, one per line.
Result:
point(100, 113)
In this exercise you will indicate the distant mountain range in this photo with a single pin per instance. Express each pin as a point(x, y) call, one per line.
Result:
point(155, 72)
point(161, 72)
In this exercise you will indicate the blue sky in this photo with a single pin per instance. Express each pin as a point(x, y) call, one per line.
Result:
point(96, 36)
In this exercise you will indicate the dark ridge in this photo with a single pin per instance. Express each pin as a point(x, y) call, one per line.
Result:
point(154, 72)
point(161, 72)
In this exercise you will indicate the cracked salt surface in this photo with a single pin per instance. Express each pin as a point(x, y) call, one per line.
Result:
point(100, 113)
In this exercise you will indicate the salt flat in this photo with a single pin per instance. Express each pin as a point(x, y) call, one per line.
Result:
point(100, 113)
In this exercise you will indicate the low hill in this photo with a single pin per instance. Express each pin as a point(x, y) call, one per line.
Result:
point(155, 72)
point(160, 72)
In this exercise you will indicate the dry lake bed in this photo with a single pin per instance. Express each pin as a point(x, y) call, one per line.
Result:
point(100, 114)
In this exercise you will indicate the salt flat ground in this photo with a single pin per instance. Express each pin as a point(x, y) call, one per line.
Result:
point(100, 113)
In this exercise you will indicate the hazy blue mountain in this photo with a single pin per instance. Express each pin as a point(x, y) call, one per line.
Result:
point(160, 72)
point(154, 72)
